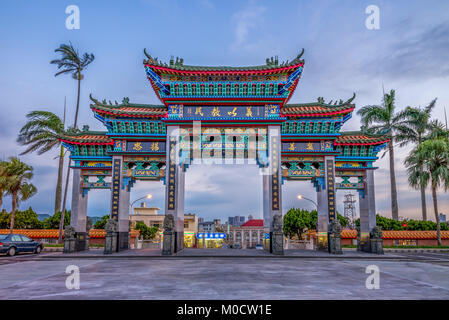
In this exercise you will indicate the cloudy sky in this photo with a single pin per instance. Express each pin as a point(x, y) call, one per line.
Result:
point(409, 53)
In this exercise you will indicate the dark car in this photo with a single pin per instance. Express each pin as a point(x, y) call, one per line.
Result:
point(16, 243)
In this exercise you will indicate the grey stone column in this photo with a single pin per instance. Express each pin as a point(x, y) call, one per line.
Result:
point(78, 215)
point(120, 196)
point(272, 187)
point(174, 187)
point(323, 219)
point(367, 206)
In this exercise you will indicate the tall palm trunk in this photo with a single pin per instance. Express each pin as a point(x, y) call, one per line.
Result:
point(423, 203)
point(78, 98)
point(435, 208)
point(13, 210)
point(394, 192)
point(61, 221)
point(64, 202)
point(58, 197)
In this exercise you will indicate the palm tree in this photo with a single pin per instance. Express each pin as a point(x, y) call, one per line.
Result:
point(41, 134)
point(71, 62)
point(3, 181)
point(415, 125)
point(429, 162)
point(383, 119)
point(19, 174)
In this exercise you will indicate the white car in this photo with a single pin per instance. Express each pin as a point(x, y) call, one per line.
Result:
point(259, 247)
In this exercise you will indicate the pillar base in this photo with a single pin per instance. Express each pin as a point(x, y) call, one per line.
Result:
point(110, 244)
point(81, 241)
point(363, 242)
point(123, 240)
point(335, 243)
point(179, 241)
point(168, 244)
point(277, 243)
point(69, 245)
point(322, 241)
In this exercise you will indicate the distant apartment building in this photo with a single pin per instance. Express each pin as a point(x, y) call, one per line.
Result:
point(236, 221)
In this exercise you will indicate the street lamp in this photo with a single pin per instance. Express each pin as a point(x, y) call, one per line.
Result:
point(300, 197)
point(148, 196)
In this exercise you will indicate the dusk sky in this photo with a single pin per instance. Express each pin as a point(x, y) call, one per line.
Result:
point(409, 53)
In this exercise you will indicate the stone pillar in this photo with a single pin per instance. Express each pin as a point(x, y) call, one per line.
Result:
point(78, 217)
point(258, 236)
point(272, 186)
point(120, 195)
point(323, 218)
point(250, 238)
point(174, 191)
point(367, 205)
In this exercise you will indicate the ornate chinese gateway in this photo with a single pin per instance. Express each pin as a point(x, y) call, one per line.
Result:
point(223, 115)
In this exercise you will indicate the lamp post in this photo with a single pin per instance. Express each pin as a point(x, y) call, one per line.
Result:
point(300, 197)
point(148, 196)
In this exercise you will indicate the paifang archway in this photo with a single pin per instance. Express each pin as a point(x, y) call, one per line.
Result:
point(228, 113)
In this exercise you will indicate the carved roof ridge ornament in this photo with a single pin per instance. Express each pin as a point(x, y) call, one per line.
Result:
point(179, 64)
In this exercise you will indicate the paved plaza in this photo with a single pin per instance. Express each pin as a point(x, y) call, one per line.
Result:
point(297, 275)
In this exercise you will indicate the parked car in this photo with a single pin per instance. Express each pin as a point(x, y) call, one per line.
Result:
point(16, 243)
point(259, 247)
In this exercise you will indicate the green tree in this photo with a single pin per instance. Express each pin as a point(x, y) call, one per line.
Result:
point(18, 186)
point(102, 222)
point(145, 231)
point(27, 219)
point(41, 133)
point(296, 221)
point(71, 63)
point(415, 125)
point(383, 119)
point(53, 221)
point(433, 157)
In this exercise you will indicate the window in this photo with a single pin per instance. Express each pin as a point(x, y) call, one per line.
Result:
point(186, 225)
point(24, 238)
point(16, 238)
point(3, 236)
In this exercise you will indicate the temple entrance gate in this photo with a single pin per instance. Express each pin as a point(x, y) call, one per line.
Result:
point(232, 115)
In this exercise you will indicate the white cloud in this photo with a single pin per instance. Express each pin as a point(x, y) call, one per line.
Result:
point(245, 21)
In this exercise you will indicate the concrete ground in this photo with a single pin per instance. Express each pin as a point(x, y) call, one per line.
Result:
point(250, 274)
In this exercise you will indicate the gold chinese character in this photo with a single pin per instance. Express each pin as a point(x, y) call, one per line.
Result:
point(199, 111)
point(249, 112)
point(174, 109)
point(155, 146)
point(309, 146)
point(292, 146)
point(137, 146)
point(216, 112)
point(232, 113)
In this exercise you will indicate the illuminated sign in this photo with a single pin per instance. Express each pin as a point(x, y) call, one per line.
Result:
point(211, 235)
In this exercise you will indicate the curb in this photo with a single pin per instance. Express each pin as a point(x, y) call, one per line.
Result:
point(415, 250)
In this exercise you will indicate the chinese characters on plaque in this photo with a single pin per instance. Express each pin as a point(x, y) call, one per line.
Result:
point(145, 146)
point(171, 183)
point(115, 187)
point(330, 188)
point(275, 173)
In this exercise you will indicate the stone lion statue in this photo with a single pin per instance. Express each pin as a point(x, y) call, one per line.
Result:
point(277, 223)
point(111, 226)
point(169, 222)
point(69, 232)
point(376, 233)
point(335, 226)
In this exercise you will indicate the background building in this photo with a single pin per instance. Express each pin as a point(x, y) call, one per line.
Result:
point(247, 235)
point(151, 217)
point(236, 221)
